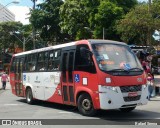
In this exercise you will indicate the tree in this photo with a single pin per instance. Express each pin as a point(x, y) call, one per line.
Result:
point(94, 15)
point(6, 40)
point(74, 18)
point(138, 25)
point(108, 13)
point(45, 19)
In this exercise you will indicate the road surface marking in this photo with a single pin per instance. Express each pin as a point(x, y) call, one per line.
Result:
point(64, 112)
point(12, 104)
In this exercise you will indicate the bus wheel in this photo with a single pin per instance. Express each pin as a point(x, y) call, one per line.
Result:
point(85, 105)
point(29, 96)
point(127, 109)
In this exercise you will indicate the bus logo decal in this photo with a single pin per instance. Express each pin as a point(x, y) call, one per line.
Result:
point(24, 77)
point(76, 78)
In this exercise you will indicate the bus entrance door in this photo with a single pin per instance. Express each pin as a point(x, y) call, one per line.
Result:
point(19, 89)
point(67, 77)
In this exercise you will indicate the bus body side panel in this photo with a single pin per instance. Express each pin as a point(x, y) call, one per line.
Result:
point(56, 95)
point(129, 90)
point(45, 85)
point(87, 82)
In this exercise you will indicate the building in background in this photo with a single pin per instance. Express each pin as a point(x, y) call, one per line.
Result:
point(5, 14)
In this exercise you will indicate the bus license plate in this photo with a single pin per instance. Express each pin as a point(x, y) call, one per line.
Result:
point(132, 94)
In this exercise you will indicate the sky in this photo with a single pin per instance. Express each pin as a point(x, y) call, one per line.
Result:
point(21, 10)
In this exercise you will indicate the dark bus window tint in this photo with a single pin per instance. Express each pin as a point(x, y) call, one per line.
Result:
point(13, 65)
point(54, 60)
point(51, 61)
point(84, 61)
point(42, 61)
point(21, 64)
point(64, 66)
point(57, 56)
point(31, 62)
point(70, 68)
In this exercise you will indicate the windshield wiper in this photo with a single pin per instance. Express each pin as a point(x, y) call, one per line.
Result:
point(136, 69)
point(118, 69)
point(124, 70)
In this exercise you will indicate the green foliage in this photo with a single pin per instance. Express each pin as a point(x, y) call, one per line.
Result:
point(108, 13)
point(74, 17)
point(138, 25)
point(6, 40)
point(78, 15)
point(46, 19)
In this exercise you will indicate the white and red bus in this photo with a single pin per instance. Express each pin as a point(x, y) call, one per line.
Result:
point(89, 74)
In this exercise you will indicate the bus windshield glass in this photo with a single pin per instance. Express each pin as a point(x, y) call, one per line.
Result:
point(116, 57)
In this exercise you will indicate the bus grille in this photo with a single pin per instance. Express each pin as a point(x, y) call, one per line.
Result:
point(133, 88)
point(135, 98)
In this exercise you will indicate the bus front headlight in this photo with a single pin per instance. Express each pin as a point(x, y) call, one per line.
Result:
point(112, 88)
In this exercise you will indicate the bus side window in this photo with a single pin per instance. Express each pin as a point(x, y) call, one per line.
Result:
point(50, 62)
point(31, 62)
point(56, 64)
point(54, 60)
point(42, 61)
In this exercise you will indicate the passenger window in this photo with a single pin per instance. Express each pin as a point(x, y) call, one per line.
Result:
point(31, 62)
point(42, 61)
point(54, 60)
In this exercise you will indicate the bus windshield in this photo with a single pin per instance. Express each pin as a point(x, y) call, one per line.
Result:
point(115, 57)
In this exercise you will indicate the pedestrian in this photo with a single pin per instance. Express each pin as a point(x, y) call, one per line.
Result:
point(150, 85)
point(4, 79)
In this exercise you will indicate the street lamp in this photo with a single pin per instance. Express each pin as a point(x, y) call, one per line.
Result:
point(13, 2)
point(89, 30)
point(103, 33)
point(23, 41)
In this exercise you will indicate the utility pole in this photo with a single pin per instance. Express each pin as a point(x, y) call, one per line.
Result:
point(149, 32)
point(103, 33)
point(34, 31)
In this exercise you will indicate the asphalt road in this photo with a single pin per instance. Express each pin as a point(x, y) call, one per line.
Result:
point(13, 107)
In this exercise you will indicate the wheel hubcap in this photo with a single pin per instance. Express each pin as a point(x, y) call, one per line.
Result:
point(86, 104)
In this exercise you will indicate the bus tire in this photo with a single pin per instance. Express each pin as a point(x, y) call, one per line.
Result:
point(127, 109)
point(29, 96)
point(85, 105)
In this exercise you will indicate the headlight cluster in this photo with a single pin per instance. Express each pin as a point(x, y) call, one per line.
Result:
point(112, 88)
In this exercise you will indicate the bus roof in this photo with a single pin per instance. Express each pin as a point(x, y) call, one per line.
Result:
point(91, 41)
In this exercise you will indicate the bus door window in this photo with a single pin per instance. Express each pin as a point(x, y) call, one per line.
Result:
point(13, 65)
point(64, 66)
point(17, 68)
point(21, 67)
point(64, 76)
point(70, 67)
point(67, 76)
point(70, 75)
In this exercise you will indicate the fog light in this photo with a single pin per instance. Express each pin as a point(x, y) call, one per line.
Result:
point(109, 102)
